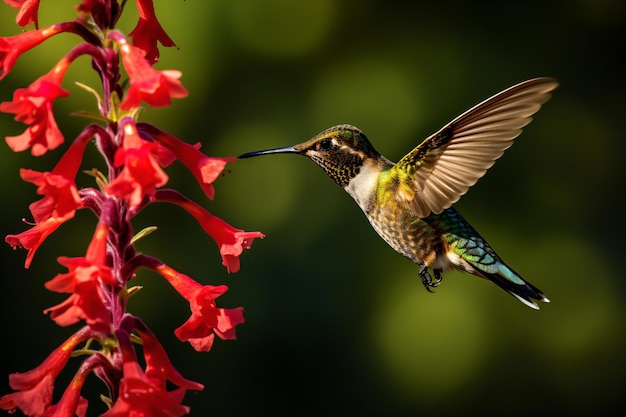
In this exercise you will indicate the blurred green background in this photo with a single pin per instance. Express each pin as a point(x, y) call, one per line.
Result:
point(336, 322)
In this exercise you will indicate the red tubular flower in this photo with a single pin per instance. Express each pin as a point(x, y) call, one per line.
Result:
point(34, 388)
point(158, 365)
point(141, 174)
point(33, 106)
point(84, 282)
point(206, 169)
point(149, 31)
point(60, 200)
point(60, 194)
point(12, 47)
point(206, 319)
point(33, 238)
point(231, 241)
point(58, 187)
point(156, 88)
point(141, 394)
point(27, 13)
point(71, 403)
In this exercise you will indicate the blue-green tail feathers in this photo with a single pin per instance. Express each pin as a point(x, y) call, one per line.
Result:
point(511, 282)
point(468, 251)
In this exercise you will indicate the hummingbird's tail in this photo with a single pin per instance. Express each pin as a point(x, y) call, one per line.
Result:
point(468, 251)
point(510, 281)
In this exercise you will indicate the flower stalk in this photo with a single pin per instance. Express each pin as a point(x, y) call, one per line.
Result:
point(97, 285)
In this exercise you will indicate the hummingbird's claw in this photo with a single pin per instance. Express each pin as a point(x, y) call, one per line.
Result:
point(427, 280)
point(438, 277)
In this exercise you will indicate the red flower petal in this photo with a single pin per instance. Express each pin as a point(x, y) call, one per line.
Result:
point(87, 302)
point(71, 403)
point(27, 13)
point(33, 238)
point(66, 313)
point(149, 31)
point(32, 402)
point(206, 318)
point(12, 47)
point(156, 88)
point(227, 320)
point(206, 169)
point(41, 136)
point(202, 344)
point(34, 388)
point(158, 365)
point(141, 174)
point(231, 241)
point(140, 396)
point(84, 282)
point(60, 194)
point(33, 106)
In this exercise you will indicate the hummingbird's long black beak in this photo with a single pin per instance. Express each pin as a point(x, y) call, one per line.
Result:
point(287, 149)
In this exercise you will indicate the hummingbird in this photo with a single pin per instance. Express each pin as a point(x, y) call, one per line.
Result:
point(409, 203)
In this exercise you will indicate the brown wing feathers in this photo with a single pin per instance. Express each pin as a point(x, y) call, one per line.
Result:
point(450, 161)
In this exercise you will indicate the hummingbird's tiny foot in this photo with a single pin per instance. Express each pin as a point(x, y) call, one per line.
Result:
point(438, 278)
point(427, 280)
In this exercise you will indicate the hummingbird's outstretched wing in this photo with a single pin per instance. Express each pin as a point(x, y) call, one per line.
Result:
point(435, 174)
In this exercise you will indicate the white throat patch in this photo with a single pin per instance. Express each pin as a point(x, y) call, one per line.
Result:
point(362, 186)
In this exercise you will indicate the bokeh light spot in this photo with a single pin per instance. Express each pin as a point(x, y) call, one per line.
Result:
point(377, 96)
point(280, 28)
point(428, 350)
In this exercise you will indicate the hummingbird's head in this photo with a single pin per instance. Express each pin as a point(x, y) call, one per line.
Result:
point(340, 151)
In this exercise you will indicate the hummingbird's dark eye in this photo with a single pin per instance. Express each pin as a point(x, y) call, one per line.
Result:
point(325, 144)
